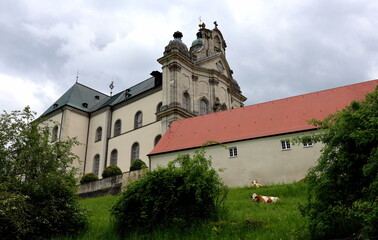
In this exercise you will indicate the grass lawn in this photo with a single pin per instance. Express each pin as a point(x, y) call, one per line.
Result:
point(244, 219)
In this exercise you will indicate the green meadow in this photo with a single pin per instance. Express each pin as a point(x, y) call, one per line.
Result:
point(243, 219)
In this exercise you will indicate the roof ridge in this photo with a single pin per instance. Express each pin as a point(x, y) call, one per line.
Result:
point(90, 88)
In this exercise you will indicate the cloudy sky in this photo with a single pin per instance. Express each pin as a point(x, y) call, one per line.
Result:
point(276, 48)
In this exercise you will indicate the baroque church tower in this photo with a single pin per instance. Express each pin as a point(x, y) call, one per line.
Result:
point(198, 80)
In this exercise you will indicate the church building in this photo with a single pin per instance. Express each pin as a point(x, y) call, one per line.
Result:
point(118, 129)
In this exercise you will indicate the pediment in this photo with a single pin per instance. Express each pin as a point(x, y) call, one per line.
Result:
point(216, 62)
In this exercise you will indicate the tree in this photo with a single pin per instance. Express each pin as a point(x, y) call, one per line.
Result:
point(343, 186)
point(186, 192)
point(37, 185)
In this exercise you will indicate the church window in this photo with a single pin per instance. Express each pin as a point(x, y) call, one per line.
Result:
point(134, 152)
point(98, 134)
point(138, 121)
point(54, 135)
point(158, 109)
point(113, 157)
point(117, 127)
point(96, 164)
point(233, 152)
point(204, 108)
point(285, 145)
point(157, 139)
point(186, 101)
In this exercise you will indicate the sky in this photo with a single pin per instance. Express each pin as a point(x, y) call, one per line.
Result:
point(276, 48)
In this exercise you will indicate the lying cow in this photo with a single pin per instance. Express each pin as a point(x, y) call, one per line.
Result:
point(259, 198)
point(255, 184)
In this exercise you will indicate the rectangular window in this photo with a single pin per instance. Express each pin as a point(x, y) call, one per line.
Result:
point(285, 145)
point(307, 144)
point(233, 152)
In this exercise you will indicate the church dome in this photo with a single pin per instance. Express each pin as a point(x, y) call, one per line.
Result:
point(196, 42)
point(177, 45)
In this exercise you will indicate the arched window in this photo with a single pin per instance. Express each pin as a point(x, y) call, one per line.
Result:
point(54, 134)
point(98, 134)
point(96, 164)
point(134, 152)
point(113, 157)
point(158, 109)
point(117, 127)
point(204, 108)
point(157, 139)
point(138, 121)
point(186, 101)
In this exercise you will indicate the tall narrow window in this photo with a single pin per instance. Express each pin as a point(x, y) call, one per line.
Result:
point(138, 121)
point(113, 157)
point(158, 109)
point(204, 109)
point(54, 134)
point(117, 127)
point(134, 152)
point(285, 145)
point(98, 134)
point(96, 164)
point(157, 139)
point(186, 101)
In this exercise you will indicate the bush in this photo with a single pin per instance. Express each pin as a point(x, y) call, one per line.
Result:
point(344, 183)
point(188, 191)
point(37, 185)
point(137, 165)
point(89, 177)
point(111, 171)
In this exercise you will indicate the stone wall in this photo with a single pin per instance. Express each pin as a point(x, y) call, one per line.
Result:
point(108, 186)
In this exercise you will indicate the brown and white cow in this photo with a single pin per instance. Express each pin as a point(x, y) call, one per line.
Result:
point(255, 184)
point(266, 199)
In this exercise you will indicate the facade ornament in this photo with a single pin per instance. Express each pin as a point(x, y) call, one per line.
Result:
point(174, 67)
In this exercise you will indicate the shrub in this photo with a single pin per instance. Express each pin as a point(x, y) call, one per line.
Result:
point(188, 191)
point(37, 185)
point(111, 171)
point(344, 183)
point(137, 165)
point(89, 177)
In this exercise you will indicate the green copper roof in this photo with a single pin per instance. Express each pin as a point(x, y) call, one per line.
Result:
point(80, 97)
point(198, 41)
point(88, 100)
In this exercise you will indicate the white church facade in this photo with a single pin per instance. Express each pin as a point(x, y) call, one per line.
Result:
point(116, 130)
point(193, 100)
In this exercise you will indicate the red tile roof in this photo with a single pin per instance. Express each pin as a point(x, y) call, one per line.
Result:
point(260, 120)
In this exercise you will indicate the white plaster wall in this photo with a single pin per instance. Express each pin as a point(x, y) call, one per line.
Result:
point(99, 147)
point(145, 136)
point(127, 113)
point(258, 159)
point(76, 125)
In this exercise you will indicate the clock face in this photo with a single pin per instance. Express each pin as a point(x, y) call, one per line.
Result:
point(220, 66)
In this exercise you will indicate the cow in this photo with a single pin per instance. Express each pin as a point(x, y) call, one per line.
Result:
point(266, 199)
point(255, 184)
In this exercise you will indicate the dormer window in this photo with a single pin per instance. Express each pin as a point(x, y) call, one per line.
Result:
point(97, 97)
point(85, 105)
point(55, 105)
